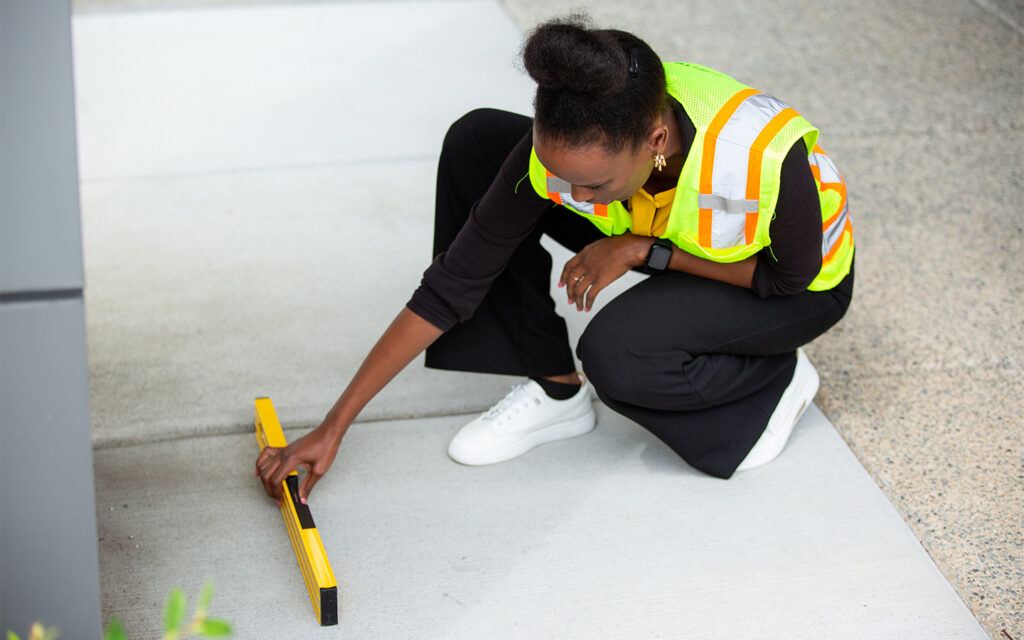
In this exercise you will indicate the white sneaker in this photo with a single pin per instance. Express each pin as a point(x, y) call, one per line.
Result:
point(523, 419)
point(795, 399)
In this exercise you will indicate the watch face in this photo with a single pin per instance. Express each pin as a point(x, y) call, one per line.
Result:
point(659, 258)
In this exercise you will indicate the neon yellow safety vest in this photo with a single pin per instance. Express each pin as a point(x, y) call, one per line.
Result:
point(729, 185)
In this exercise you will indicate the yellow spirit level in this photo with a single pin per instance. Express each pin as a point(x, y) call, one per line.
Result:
point(309, 550)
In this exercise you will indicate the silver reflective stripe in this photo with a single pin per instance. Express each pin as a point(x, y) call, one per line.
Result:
point(826, 168)
point(732, 151)
point(583, 207)
point(834, 231)
point(729, 171)
point(564, 189)
point(557, 185)
point(718, 203)
point(727, 231)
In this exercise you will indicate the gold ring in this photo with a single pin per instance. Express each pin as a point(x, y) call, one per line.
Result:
point(577, 278)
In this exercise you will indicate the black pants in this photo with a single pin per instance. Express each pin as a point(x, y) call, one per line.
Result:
point(701, 364)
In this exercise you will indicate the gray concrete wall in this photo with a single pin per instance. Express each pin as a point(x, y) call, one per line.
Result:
point(49, 569)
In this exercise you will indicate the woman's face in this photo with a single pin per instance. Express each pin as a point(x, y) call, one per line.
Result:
point(597, 175)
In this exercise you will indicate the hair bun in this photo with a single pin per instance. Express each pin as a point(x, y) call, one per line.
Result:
point(566, 55)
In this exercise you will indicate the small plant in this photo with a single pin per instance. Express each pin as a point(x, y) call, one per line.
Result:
point(37, 632)
point(174, 621)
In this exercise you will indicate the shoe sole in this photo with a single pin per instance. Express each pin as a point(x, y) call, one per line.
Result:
point(806, 389)
point(558, 431)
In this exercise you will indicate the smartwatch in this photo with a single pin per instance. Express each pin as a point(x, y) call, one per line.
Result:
point(658, 256)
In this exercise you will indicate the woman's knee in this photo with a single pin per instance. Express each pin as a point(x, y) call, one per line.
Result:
point(464, 132)
point(654, 377)
point(477, 130)
point(606, 359)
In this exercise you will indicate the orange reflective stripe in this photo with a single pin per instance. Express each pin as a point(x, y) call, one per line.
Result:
point(838, 187)
point(847, 228)
point(750, 227)
point(704, 227)
point(600, 210)
point(708, 159)
point(816, 172)
point(780, 120)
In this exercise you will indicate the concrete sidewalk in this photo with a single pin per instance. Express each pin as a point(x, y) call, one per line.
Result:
point(604, 536)
point(235, 193)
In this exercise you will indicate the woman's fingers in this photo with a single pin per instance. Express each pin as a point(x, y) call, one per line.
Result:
point(583, 275)
point(592, 269)
point(579, 290)
point(566, 279)
point(286, 466)
point(266, 465)
point(272, 466)
point(592, 295)
point(312, 477)
point(266, 459)
point(273, 490)
point(575, 279)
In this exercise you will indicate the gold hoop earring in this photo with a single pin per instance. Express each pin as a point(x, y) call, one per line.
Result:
point(659, 161)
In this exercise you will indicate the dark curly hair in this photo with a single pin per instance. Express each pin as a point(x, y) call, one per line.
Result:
point(593, 85)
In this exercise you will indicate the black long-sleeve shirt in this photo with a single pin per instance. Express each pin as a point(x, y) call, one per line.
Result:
point(458, 279)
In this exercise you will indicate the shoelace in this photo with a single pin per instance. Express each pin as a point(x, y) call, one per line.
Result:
point(501, 413)
point(510, 398)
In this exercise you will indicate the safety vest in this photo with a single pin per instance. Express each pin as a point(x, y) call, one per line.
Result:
point(729, 185)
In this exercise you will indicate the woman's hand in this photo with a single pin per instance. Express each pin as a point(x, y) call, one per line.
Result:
point(406, 338)
point(314, 451)
point(599, 264)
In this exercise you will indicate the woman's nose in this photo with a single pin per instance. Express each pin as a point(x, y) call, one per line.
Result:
point(581, 194)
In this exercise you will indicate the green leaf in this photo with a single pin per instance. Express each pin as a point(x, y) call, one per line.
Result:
point(12, 636)
point(174, 613)
point(114, 631)
point(214, 628)
point(206, 596)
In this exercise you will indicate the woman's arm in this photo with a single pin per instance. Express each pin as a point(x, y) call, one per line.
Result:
point(794, 258)
point(452, 288)
point(739, 273)
point(408, 335)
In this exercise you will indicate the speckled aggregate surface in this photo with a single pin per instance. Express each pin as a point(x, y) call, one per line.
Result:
point(922, 107)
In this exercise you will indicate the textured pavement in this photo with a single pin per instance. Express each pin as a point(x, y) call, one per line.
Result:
point(921, 105)
point(232, 216)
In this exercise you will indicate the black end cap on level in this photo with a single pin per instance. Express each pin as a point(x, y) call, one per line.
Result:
point(328, 606)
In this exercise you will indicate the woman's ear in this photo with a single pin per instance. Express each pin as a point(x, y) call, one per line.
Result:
point(657, 139)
